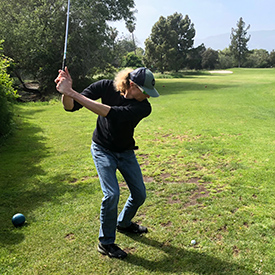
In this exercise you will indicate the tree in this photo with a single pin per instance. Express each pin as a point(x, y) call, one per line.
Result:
point(210, 59)
point(183, 41)
point(133, 61)
point(156, 46)
point(33, 31)
point(122, 47)
point(131, 26)
point(170, 40)
point(258, 59)
point(272, 58)
point(194, 57)
point(239, 40)
point(226, 60)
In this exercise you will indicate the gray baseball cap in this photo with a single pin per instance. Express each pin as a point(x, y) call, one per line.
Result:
point(144, 78)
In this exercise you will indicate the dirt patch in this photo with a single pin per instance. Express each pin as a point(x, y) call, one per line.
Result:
point(172, 199)
point(167, 224)
point(235, 250)
point(148, 179)
point(193, 180)
point(201, 192)
point(223, 228)
point(164, 176)
point(70, 237)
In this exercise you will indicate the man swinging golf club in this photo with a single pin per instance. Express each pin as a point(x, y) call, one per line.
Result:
point(123, 105)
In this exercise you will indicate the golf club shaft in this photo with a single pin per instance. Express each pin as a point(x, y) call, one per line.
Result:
point(66, 37)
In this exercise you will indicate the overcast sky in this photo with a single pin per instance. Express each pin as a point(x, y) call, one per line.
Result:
point(210, 17)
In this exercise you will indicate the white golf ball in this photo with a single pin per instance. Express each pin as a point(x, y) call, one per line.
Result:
point(193, 242)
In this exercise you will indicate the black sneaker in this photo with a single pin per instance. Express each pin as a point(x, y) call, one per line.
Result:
point(111, 250)
point(133, 228)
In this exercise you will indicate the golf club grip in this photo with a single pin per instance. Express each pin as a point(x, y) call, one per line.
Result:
point(64, 64)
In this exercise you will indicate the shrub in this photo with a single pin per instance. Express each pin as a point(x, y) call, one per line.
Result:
point(132, 60)
point(7, 95)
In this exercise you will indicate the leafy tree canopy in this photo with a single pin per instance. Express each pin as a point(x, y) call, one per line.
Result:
point(239, 40)
point(33, 31)
point(258, 59)
point(170, 40)
point(210, 58)
point(272, 59)
point(132, 61)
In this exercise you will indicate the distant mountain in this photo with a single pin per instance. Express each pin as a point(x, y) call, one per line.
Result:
point(259, 40)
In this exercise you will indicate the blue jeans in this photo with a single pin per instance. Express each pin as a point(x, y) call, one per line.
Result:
point(107, 163)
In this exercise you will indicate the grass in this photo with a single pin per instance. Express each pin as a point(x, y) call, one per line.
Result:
point(207, 156)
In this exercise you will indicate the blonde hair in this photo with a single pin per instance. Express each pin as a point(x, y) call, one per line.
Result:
point(122, 81)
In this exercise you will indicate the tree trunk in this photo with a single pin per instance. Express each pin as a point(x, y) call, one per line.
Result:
point(25, 88)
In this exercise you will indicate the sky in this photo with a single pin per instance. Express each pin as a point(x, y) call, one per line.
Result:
point(210, 17)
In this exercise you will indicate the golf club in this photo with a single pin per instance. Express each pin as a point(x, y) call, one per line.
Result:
point(66, 37)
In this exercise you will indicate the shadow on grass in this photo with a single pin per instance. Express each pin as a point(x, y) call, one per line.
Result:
point(179, 261)
point(24, 184)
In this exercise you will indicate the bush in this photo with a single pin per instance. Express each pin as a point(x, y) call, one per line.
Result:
point(132, 61)
point(7, 95)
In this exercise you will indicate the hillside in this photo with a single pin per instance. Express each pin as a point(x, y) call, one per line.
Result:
point(259, 40)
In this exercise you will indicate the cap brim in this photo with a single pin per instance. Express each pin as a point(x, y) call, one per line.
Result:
point(151, 92)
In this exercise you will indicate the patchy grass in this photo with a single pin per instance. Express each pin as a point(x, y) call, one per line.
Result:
point(207, 155)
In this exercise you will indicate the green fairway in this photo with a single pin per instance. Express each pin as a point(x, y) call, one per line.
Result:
point(208, 160)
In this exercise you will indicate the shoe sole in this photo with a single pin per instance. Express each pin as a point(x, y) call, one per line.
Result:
point(104, 252)
point(131, 232)
point(100, 250)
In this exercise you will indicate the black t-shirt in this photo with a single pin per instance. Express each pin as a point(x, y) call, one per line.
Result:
point(115, 131)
